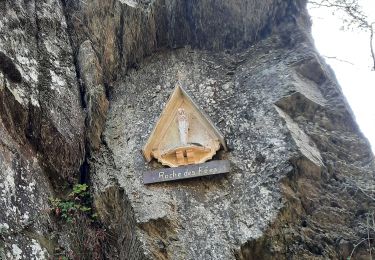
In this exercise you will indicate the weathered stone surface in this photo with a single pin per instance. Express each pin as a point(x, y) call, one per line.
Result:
point(302, 178)
point(94, 94)
point(118, 216)
point(288, 195)
point(41, 124)
point(40, 101)
point(123, 32)
point(24, 192)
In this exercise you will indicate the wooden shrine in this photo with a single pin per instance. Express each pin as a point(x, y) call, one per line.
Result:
point(183, 134)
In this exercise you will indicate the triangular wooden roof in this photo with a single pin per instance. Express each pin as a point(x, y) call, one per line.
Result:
point(179, 98)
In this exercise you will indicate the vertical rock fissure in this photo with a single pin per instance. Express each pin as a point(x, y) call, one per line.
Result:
point(84, 170)
point(75, 60)
point(120, 38)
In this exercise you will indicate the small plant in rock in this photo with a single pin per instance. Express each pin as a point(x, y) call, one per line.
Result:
point(77, 202)
point(86, 231)
point(80, 190)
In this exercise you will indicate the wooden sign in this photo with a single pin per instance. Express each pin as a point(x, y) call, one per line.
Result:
point(186, 172)
point(183, 134)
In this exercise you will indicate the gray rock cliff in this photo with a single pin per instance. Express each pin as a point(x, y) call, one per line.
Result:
point(82, 84)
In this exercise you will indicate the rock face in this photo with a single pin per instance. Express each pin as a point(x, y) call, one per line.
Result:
point(83, 82)
point(94, 94)
point(40, 101)
point(41, 123)
point(124, 31)
point(278, 125)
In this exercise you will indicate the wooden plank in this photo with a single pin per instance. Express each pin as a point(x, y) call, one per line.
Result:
point(186, 172)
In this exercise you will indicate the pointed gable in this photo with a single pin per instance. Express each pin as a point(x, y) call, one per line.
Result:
point(183, 133)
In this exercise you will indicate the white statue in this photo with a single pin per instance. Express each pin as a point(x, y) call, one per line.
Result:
point(183, 125)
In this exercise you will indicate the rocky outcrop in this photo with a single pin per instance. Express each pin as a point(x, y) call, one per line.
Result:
point(40, 102)
point(41, 124)
point(124, 31)
point(283, 196)
point(82, 84)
